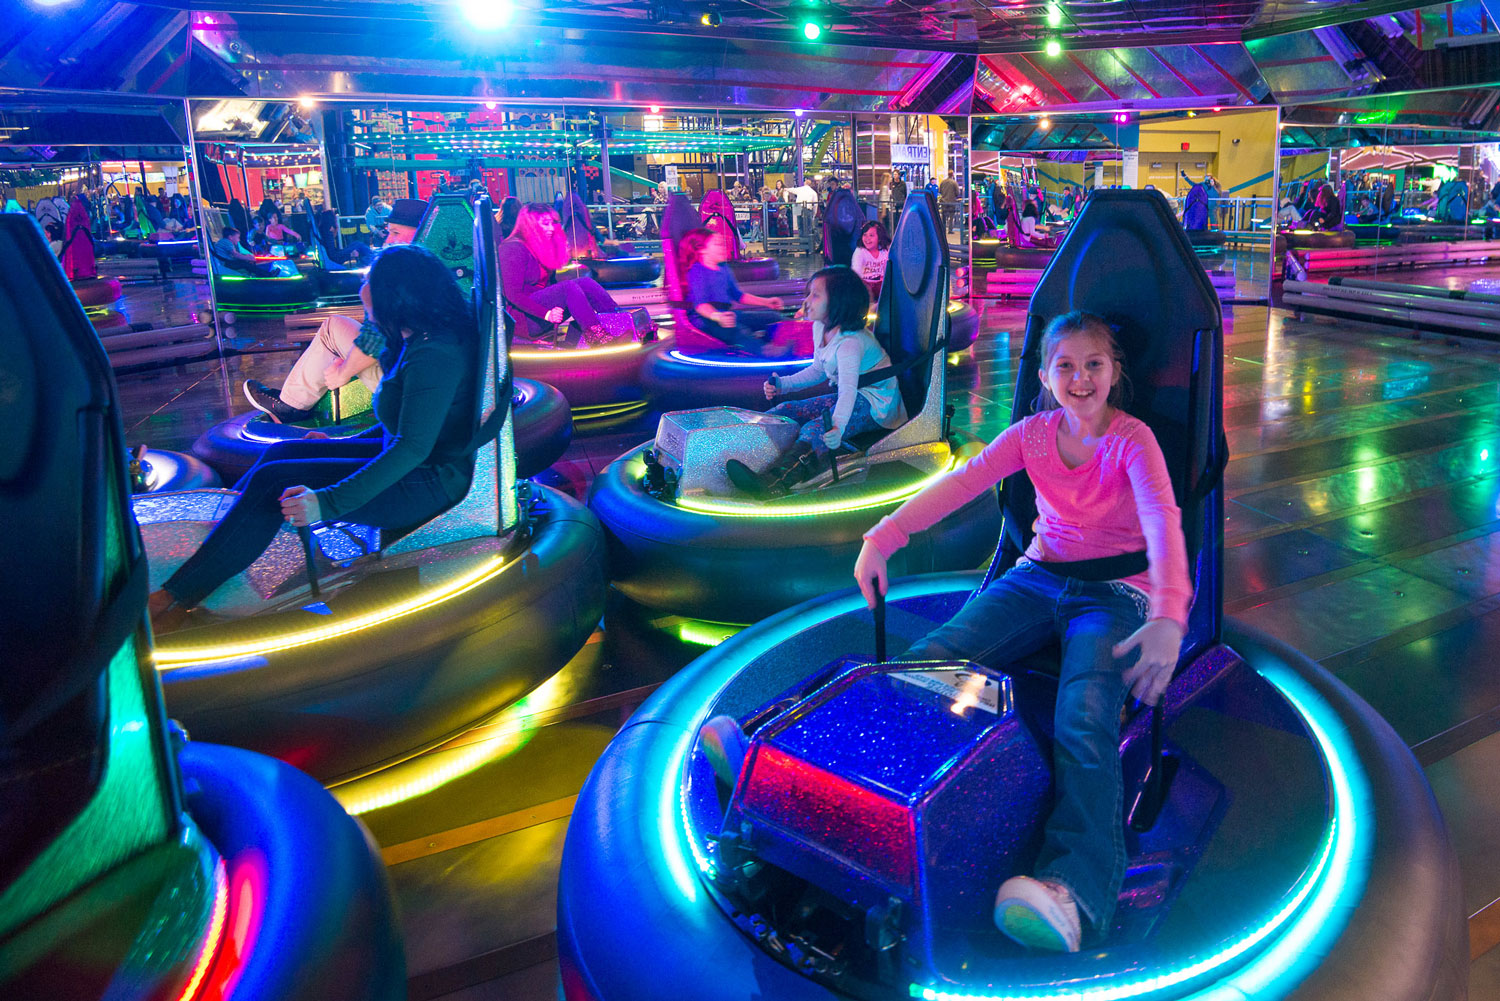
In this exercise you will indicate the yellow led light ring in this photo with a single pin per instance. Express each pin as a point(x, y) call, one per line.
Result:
point(741, 509)
point(168, 658)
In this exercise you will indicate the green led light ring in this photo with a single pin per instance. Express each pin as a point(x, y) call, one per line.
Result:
point(1292, 939)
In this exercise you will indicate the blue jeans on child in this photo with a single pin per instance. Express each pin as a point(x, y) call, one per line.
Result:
point(810, 412)
point(1084, 846)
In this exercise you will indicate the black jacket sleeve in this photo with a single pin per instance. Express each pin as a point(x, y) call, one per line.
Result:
point(430, 377)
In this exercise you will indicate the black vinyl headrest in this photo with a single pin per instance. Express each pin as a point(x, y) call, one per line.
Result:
point(1128, 260)
point(843, 218)
point(679, 218)
point(62, 478)
point(717, 213)
point(577, 224)
point(913, 311)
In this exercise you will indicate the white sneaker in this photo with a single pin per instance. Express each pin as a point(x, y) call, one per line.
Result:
point(1038, 914)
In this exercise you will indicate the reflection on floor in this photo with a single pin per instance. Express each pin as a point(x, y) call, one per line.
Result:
point(1363, 508)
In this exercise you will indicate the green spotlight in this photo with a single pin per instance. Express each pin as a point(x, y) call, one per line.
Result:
point(811, 30)
point(1053, 48)
point(1054, 15)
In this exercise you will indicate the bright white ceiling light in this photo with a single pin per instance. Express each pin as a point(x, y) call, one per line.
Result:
point(486, 15)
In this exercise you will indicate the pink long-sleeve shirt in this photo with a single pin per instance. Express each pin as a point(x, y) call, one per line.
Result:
point(1119, 501)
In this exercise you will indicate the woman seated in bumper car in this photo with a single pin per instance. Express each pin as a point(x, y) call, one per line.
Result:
point(535, 300)
point(717, 306)
point(837, 304)
point(415, 464)
point(1328, 211)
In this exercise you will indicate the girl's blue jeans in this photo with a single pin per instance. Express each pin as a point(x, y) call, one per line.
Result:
point(1084, 844)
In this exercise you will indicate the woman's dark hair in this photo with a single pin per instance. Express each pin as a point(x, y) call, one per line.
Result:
point(848, 298)
point(412, 289)
point(509, 210)
point(881, 235)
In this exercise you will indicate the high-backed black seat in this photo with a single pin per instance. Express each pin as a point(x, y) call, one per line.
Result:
point(1128, 260)
point(74, 586)
point(678, 219)
point(843, 218)
point(912, 320)
point(488, 309)
point(578, 225)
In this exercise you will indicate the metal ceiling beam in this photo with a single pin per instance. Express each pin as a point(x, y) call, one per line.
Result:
point(1339, 13)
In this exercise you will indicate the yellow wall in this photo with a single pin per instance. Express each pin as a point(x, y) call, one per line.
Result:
point(1295, 167)
point(1067, 173)
point(1210, 137)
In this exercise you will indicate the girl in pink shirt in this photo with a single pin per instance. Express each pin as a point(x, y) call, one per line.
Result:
point(1105, 575)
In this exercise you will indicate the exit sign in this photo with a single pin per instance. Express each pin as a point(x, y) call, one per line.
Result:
point(1185, 147)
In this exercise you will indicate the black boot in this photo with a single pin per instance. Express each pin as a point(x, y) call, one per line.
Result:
point(790, 467)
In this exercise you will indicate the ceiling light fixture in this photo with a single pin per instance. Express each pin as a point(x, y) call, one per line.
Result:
point(486, 15)
point(1053, 48)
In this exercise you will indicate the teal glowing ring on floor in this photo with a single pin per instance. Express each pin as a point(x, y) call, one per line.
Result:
point(1329, 888)
point(677, 354)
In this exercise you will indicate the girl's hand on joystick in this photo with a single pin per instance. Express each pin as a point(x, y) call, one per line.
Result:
point(871, 567)
point(770, 390)
point(555, 315)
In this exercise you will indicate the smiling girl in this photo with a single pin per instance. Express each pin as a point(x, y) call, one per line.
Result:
point(1105, 575)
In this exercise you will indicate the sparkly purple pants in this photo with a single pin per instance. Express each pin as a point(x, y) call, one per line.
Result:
point(252, 522)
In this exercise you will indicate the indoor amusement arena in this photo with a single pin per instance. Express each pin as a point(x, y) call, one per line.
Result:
point(956, 500)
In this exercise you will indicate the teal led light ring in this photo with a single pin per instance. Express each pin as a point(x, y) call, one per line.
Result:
point(1265, 962)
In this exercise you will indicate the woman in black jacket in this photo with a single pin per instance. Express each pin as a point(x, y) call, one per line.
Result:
point(410, 467)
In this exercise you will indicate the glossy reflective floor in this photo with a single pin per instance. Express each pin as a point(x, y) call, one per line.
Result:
point(1362, 516)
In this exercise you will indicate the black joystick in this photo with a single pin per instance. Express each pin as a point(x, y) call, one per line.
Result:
point(879, 612)
point(656, 480)
point(833, 460)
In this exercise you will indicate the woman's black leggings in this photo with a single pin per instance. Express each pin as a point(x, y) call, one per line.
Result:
point(251, 523)
point(583, 299)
